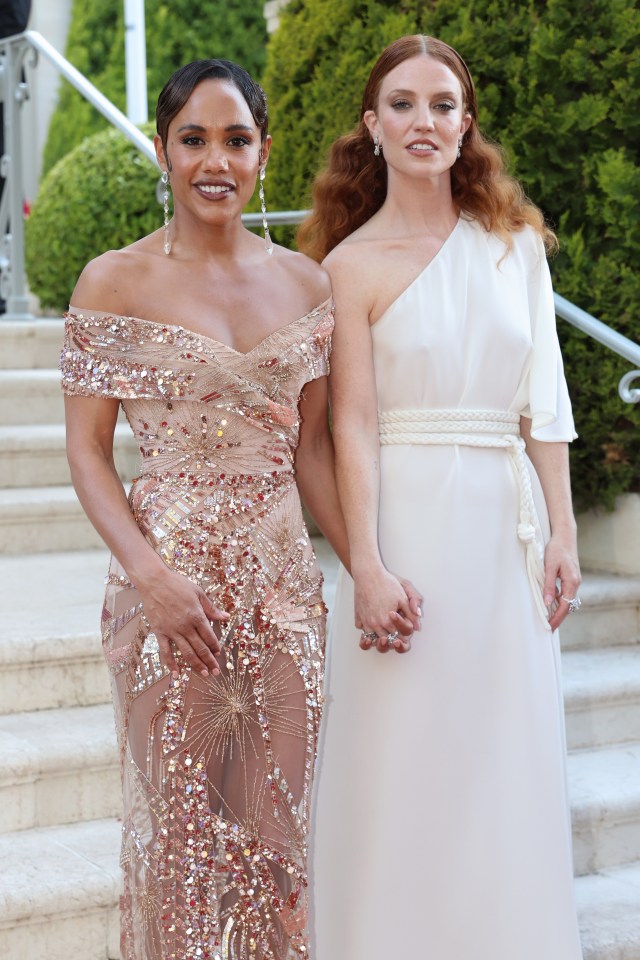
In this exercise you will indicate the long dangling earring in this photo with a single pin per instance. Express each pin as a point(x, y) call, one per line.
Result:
point(263, 206)
point(376, 146)
point(165, 204)
point(459, 148)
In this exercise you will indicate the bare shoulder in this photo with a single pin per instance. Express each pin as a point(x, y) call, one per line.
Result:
point(307, 276)
point(357, 252)
point(106, 283)
point(355, 272)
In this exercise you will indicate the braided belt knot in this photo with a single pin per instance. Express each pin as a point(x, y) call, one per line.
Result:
point(498, 429)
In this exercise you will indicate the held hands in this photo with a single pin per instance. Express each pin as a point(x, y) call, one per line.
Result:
point(179, 614)
point(388, 609)
point(561, 563)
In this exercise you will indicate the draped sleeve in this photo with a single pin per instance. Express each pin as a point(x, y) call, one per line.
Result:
point(110, 356)
point(546, 396)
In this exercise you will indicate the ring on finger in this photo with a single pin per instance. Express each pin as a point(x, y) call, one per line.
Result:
point(370, 636)
point(574, 603)
point(392, 637)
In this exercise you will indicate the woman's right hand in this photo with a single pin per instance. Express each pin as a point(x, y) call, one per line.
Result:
point(179, 614)
point(383, 606)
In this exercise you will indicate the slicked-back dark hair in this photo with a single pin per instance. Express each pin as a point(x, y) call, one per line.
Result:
point(183, 82)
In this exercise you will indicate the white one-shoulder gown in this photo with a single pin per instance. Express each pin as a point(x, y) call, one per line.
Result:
point(442, 827)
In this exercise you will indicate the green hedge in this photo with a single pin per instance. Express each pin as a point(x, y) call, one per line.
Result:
point(559, 88)
point(176, 31)
point(101, 196)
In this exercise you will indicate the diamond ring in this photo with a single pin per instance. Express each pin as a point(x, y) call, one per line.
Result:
point(391, 637)
point(574, 604)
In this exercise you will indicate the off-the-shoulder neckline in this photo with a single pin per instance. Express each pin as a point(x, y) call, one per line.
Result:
point(325, 307)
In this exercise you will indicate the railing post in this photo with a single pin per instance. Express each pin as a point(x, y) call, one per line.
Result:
point(13, 92)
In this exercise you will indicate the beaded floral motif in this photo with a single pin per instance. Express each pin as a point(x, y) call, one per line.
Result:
point(217, 772)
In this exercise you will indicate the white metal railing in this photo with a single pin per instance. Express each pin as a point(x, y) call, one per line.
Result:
point(606, 335)
point(16, 53)
point(13, 93)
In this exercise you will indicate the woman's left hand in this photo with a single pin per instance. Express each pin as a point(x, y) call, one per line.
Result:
point(560, 563)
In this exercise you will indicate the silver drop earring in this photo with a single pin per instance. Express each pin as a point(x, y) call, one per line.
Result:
point(165, 204)
point(459, 148)
point(376, 146)
point(263, 206)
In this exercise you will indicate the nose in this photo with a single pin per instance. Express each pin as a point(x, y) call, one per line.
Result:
point(424, 118)
point(216, 158)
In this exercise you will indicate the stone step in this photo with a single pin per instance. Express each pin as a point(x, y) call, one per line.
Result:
point(604, 786)
point(35, 343)
point(609, 914)
point(41, 519)
point(30, 396)
point(602, 696)
point(59, 889)
point(610, 613)
point(35, 456)
point(50, 652)
point(59, 766)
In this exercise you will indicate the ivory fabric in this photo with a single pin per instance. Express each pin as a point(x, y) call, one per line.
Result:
point(216, 771)
point(442, 826)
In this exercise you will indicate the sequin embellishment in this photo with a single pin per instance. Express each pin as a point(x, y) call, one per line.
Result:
point(216, 772)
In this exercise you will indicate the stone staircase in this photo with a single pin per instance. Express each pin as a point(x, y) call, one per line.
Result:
point(59, 779)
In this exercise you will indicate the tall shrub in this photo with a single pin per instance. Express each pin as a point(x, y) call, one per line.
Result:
point(100, 196)
point(177, 32)
point(559, 88)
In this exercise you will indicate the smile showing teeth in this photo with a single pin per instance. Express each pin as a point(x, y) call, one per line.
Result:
point(206, 188)
point(422, 146)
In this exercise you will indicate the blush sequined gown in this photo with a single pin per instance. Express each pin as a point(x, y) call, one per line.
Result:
point(216, 772)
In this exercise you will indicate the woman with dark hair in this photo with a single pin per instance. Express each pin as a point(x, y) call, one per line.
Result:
point(442, 815)
point(216, 344)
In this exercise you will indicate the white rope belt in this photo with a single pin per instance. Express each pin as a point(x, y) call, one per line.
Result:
point(499, 429)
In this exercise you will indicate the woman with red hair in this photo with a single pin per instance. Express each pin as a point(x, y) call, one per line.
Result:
point(442, 814)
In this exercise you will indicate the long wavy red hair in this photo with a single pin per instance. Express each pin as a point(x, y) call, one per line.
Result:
point(354, 184)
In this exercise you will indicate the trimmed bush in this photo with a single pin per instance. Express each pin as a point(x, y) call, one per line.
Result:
point(177, 32)
point(101, 196)
point(561, 92)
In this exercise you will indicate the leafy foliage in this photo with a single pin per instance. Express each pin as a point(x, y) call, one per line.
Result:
point(560, 91)
point(101, 196)
point(177, 32)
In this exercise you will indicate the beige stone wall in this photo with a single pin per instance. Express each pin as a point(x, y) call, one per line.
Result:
point(610, 542)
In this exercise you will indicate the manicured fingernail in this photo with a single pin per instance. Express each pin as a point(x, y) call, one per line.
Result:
point(419, 611)
point(204, 673)
point(548, 601)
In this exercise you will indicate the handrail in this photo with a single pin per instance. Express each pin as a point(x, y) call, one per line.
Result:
point(91, 93)
point(13, 91)
point(610, 338)
point(597, 329)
